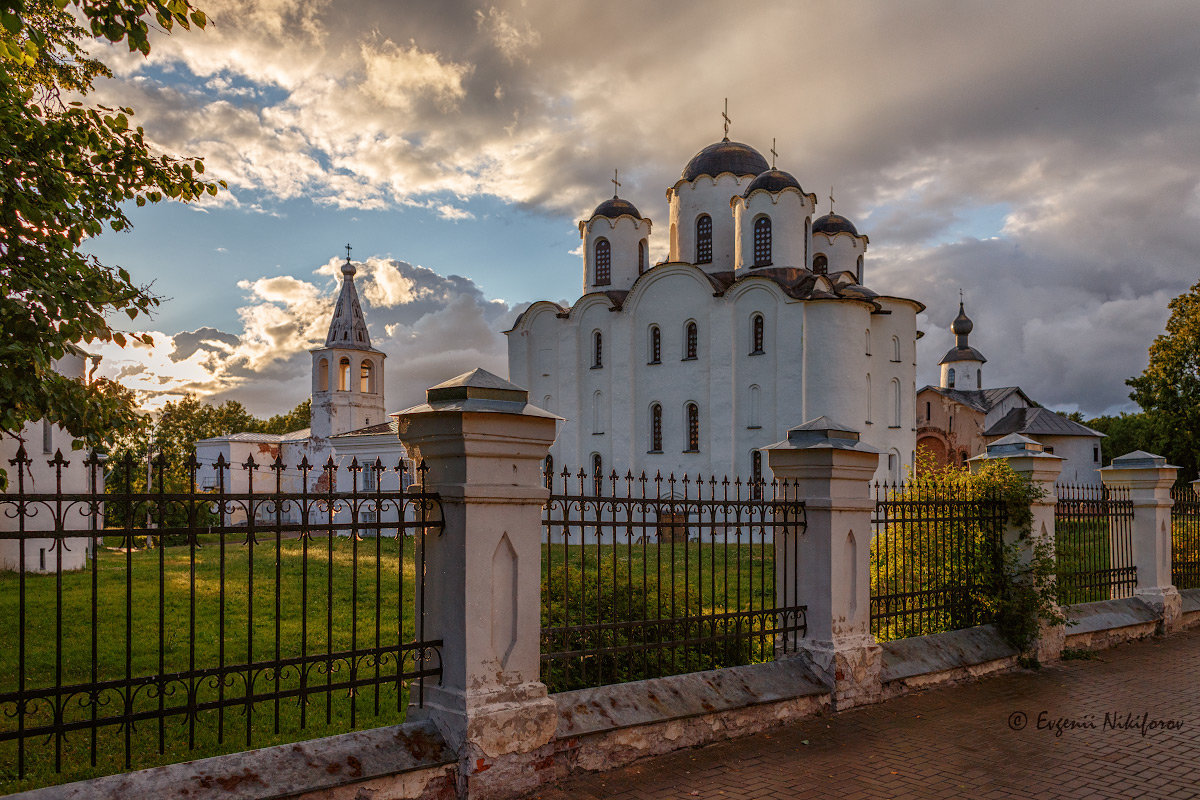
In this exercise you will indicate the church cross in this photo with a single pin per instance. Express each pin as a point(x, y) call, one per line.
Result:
point(830, 199)
point(348, 251)
point(774, 155)
point(616, 183)
point(725, 116)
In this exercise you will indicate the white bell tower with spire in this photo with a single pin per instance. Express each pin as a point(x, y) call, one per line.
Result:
point(347, 373)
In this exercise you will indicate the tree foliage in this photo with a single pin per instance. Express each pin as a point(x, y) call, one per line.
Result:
point(67, 172)
point(1169, 388)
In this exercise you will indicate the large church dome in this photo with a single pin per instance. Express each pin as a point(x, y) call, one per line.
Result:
point(616, 207)
point(726, 156)
point(833, 223)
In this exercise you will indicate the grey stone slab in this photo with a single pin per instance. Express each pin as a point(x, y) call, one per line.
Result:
point(1108, 614)
point(922, 655)
point(1191, 600)
point(272, 772)
point(624, 705)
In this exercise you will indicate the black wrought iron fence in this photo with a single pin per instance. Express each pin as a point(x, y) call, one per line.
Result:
point(1093, 544)
point(208, 621)
point(1185, 538)
point(650, 576)
point(936, 556)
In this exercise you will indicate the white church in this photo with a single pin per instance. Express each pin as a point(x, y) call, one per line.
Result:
point(758, 320)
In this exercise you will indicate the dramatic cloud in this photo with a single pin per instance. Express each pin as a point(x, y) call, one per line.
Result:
point(431, 328)
point(1043, 158)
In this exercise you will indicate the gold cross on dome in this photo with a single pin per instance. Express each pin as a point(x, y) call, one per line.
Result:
point(616, 183)
point(725, 116)
point(774, 155)
point(347, 251)
point(830, 199)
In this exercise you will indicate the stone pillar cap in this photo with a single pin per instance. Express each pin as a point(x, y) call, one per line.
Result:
point(1014, 445)
point(822, 433)
point(1139, 459)
point(1196, 486)
point(478, 391)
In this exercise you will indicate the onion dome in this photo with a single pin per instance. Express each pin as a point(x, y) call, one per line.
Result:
point(726, 156)
point(833, 223)
point(962, 324)
point(616, 207)
point(773, 180)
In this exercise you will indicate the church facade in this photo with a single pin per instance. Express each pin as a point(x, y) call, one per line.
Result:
point(758, 320)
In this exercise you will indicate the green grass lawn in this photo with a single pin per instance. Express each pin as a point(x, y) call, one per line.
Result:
point(285, 624)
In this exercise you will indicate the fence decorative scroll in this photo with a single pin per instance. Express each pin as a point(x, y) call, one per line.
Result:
point(644, 577)
point(208, 620)
point(1093, 543)
point(936, 556)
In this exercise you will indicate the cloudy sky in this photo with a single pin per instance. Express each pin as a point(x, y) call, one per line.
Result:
point(1044, 158)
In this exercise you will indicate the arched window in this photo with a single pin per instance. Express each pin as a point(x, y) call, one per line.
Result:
point(344, 375)
point(603, 262)
point(895, 403)
point(597, 350)
point(597, 474)
point(896, 349)
point(655, 353)
point(753, 411)
point(693, 428)
point(820, 264)
point(598, 412)
point(868, 398)
point(928, 409)
point(757, 334)
point(756, 476)
point(641, 256)
point(323, 375)
point(860, 266)
point(950, 378)
point(691, 338)
point(366, 378)
point(762, 242)
point(548, 470)
point(867, 341)
point(978, 379)
point(656, 428)
point(704, 239)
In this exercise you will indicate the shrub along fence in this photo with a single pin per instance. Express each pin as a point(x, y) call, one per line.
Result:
point(644, 577)
point(1093, 543)
point(936, 555)
point(1185, 537)
point(251, 630)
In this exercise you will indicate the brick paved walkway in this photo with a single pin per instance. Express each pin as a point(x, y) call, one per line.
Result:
point(958, 741)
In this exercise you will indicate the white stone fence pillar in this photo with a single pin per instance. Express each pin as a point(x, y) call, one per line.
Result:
point(484, 445)
point(1149, 478)
point(825, 465)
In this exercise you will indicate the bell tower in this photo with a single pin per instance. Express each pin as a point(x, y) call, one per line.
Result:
point(962, 366)
point(347, 373)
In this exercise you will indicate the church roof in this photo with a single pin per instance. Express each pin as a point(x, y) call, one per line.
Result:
point(962, 354)
point(616, 207)
point(983, 400)
point(259, 438)
point(725, 156)
point(773, 180)
point(371, 430)
point(348, 328)
point(1038, 422)
point(833, 223)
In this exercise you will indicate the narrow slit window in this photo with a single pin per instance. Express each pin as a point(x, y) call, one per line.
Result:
point(597, 350)
point(655, 345)
point(704, 239)
point(762, 242)
point(691, 336)
point(693, 428)
point(656, 428)
point(757, 334)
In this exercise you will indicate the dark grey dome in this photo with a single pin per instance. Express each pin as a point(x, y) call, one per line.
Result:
point(725, 156)
point(962, 324)
point(833, 223)
point(773, 180)
point(616, 207)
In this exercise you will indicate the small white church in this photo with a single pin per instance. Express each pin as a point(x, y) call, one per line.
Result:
point(759, 319)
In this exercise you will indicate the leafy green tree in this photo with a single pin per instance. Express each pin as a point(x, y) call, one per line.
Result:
point(1126, 433)
point(1169, 388)
point(67, 172)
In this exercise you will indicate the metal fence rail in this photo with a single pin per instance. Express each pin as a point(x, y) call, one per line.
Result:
point(1093, 543)
point(205, 621)
point(644, 577)
point(1185, 538)
point(936, 556)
